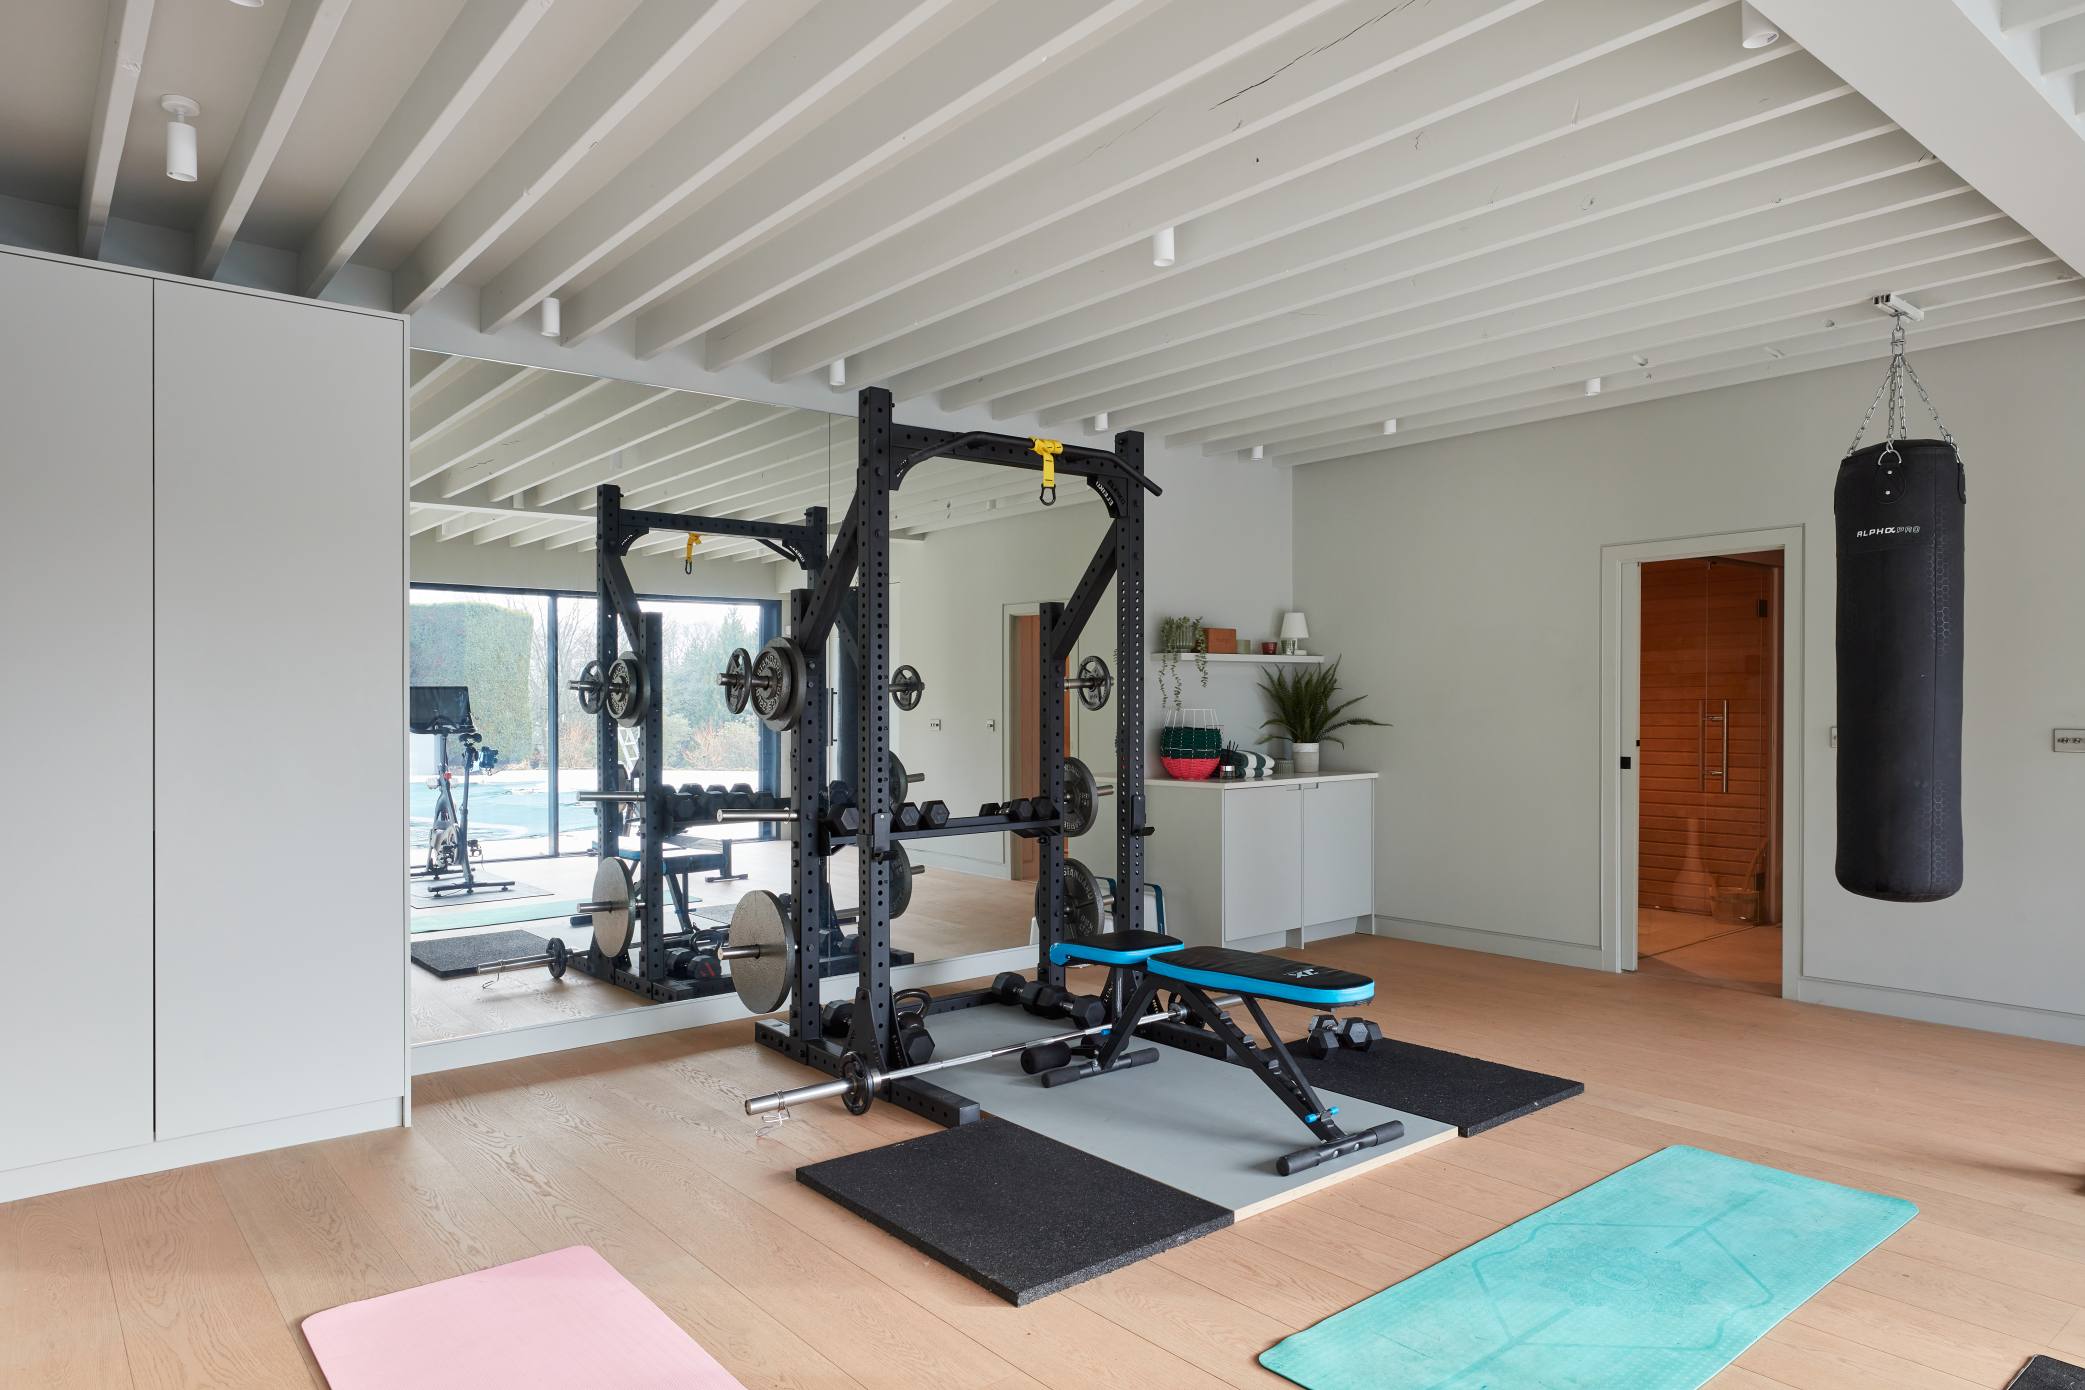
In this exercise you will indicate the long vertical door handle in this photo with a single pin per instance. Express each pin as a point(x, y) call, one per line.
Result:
point(1725, 774)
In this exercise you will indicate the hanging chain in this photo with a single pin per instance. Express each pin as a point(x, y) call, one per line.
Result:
point(1893, 387)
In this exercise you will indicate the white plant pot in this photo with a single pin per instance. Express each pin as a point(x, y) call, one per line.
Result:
point(1306, 758)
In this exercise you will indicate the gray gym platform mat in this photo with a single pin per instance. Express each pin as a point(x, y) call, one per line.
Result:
point(1206, 1127)
point(457, 897)
point(1013, 1210)
point(2047, 1373)
point(450, 956)
point(1468, 1092)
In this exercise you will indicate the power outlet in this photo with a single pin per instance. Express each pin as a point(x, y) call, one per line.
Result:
point(2068, 740)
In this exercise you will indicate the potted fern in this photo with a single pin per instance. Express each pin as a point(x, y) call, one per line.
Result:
point(1308, 712)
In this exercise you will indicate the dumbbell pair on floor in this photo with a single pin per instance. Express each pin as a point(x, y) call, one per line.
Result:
point(1328, 1035)
point(1050, 1001)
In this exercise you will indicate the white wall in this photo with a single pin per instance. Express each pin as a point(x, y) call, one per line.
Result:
point(1461, 579)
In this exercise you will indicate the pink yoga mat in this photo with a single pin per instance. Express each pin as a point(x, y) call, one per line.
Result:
point(562, 1321)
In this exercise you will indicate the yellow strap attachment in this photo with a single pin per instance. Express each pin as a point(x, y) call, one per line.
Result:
point(1047, 450)
point(688, 553)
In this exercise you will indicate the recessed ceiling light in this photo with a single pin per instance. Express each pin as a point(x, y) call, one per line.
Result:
point(180, 137)
point(1755, 30)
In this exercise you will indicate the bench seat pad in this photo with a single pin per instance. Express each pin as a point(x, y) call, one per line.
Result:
point(1115, 948)
point(680, 860)
point(1268, 977)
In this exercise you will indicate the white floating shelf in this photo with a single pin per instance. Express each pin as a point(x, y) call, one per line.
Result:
point(1279, 659)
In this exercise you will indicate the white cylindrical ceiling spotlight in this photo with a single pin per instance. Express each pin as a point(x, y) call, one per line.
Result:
point(180, 137)
point(1162, 247)
point(250, 4)
point(1592, 386)
point(1100, 423)
point(1755, 30)
point(836, 374)
point(550, 317)
point(1390, 426)
point(1259, 451)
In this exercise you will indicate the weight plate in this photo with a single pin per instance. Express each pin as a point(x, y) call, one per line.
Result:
point(900, 780)
point(900, 881)
point(778, 685)
point(624, 692)
point(861, 1083)
point(906, 688)
point(558, 954)
point(611, 925)
point(1096, 682)
point(737, 680)
point(1083, 913)
point(1081, 797)
point(589, 686)
point(762, 981)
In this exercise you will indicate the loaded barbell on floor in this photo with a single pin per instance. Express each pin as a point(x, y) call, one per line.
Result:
point(554, 954)
point(860, 1078)
point(754, 943)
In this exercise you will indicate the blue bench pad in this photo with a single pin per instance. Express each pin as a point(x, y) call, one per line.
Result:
point(1268, 977)
point(1115, 948)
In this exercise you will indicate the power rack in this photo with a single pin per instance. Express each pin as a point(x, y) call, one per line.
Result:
point(856, 575)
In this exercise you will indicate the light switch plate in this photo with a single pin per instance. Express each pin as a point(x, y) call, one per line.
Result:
point(2068, 740)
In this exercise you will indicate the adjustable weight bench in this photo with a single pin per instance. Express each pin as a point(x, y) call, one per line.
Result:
point(1142, 963)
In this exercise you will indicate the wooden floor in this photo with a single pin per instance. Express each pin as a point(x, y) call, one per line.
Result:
point(200, 1277)
point(952, 914)
point(1703, 951)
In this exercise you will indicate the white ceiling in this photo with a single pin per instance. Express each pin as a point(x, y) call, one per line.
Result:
point(1452, 214)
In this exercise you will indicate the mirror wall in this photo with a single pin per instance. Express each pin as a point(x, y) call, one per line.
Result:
point(505, 463)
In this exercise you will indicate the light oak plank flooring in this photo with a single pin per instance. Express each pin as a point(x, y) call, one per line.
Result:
point(199, 1278)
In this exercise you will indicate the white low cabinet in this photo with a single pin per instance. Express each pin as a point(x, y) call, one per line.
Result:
point(1266, 863)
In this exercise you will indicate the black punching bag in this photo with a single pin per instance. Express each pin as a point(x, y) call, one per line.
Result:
point(1899, 509)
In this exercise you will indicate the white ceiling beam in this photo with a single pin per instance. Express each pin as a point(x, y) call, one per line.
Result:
point(455, 528)
point(1720, 130)
point(641, 426)
point(481, 41)
point(502, 529)
point(999, 52)
point(689, 42)
point(2063, 47)
point(800, 433)
point(469, 443)
point(432, 370)
point(2014, 15)
point(971, 498)
point(810, 476)
point(1933, 71)
point(728, 434)
point(544, 530)
point(1527, 79)
point(123, 38)
point(1430, 317)
point(1142, 68)
point(1834, 289)
point(665, 444)
point(418, 520)
point(293, 65)
point(810, 65)
point(1856, 181)
point(1706, 349)
point(1481, 419)
point(580, 417)
point(479, 387)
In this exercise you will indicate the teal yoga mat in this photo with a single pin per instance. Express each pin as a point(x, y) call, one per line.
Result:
point(1653, 1279)
point(520, 910)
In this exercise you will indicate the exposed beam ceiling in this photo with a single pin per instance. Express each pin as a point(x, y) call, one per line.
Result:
point(128, 24)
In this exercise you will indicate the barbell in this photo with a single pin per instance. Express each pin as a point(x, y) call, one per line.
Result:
point(860, 1079)
point(775, 683)
point(620, 688)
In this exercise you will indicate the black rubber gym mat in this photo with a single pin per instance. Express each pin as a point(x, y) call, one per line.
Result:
point(1013, 1210)
point(1468, 1092)
point(450, 956)
point(2047, 1373)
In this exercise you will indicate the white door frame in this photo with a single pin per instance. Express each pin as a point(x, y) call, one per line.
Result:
point(1621, 617)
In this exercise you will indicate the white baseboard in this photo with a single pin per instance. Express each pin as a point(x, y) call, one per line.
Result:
point(644, 1022)
point(86, 1171)
point(2016, 1019)
point(1497, 943)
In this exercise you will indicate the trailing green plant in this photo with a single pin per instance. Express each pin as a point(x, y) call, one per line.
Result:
point(1306, 705)
point(1177, 637)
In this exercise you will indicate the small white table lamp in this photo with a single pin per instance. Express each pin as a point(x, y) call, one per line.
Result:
point(1293, 630)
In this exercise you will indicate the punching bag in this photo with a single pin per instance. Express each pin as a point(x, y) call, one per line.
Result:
point(1899, 508)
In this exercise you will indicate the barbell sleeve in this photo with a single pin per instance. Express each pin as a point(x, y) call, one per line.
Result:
point(877, 1078)
point(611, 796)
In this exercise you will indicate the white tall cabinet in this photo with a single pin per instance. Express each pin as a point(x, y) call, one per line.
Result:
point(205, 554)
point(1266, 863)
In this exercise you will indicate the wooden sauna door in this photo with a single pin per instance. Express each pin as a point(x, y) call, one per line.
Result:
point(1710, 730)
